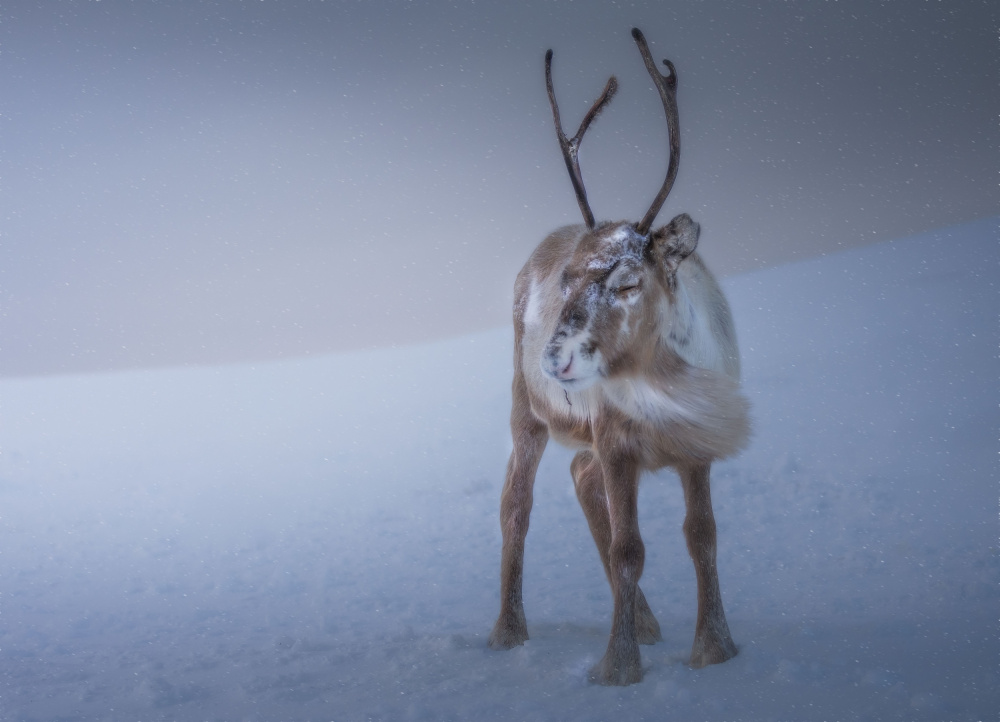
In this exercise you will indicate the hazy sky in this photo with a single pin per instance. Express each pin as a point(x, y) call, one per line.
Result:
point(193, 182)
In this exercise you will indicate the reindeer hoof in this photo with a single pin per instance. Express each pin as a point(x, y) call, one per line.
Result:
point(508, 633)
point(712, 651)
point(617, 672)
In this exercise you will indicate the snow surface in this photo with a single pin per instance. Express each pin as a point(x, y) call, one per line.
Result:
point(318, 539)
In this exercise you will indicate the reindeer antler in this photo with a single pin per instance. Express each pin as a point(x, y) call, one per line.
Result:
point(571, 146)
point(667, 87)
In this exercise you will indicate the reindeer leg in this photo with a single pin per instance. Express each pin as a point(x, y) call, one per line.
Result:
point(589, 483)
point(530, 438)
point(621, 663)
point(712, 642)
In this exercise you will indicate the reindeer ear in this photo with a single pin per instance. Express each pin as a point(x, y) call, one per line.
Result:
point(675, 241)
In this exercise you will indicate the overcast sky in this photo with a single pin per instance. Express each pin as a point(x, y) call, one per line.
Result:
point(196, 182)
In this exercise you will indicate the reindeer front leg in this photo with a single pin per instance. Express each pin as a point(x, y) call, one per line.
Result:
point(530, 438)
point(712, 641)
point(621, 663)
point(593, 497)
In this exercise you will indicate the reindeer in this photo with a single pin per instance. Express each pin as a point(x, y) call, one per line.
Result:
point(624, 348)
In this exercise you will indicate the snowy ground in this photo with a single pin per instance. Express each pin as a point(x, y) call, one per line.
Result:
point(318, 539)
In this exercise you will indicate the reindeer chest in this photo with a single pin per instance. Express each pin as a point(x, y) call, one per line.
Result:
point(631, 412)
point(569, 416)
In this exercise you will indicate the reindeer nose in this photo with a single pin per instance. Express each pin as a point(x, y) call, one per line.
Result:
point(556, 363)
point(564, 371)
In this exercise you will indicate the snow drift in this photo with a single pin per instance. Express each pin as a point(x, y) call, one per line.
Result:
point(318, 539)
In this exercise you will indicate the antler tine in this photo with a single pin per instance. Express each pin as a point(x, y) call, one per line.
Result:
point(571, 146)
point(667, 87)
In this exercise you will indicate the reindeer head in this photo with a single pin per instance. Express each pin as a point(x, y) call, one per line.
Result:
point(615, 290)
point(621, 277)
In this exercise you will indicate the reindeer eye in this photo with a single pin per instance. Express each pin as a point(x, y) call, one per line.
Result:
point(627, 290)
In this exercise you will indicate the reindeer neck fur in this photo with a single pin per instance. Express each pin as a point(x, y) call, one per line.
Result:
point(696, 322)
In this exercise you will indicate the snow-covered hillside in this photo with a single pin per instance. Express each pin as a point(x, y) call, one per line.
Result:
point(318, 539)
